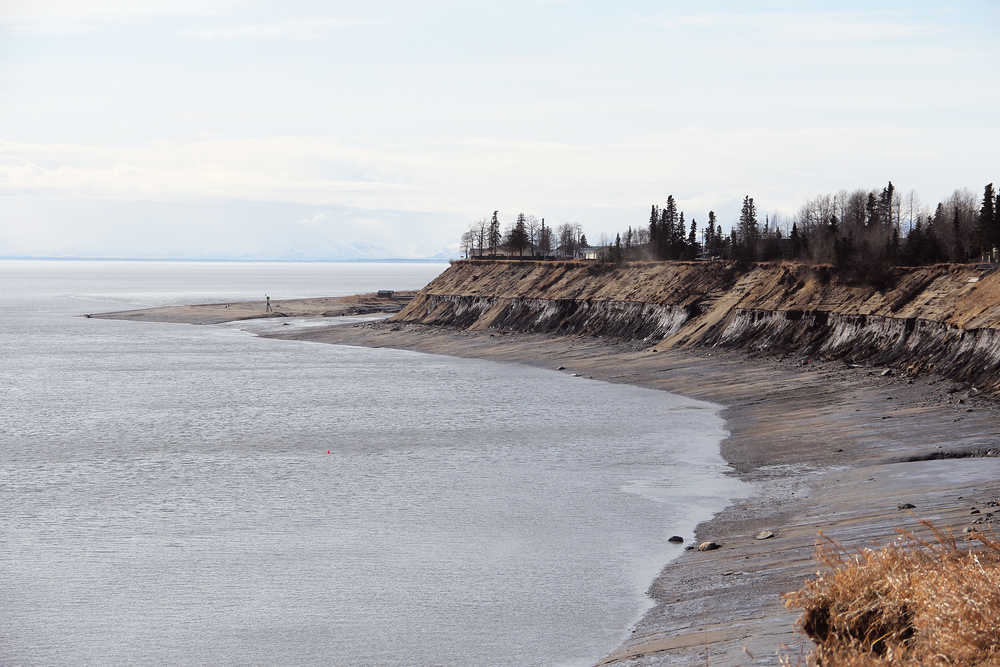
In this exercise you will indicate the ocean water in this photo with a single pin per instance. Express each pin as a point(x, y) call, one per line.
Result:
point(166, 495)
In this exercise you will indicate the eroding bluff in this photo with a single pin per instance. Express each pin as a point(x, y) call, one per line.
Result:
point(941, 318)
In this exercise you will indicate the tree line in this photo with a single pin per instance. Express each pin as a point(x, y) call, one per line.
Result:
point(527, 235)
point(862, 232)
point(841, 228)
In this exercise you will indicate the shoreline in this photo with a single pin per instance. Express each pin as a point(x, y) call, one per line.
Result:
point(237, 311)
point(824, 444)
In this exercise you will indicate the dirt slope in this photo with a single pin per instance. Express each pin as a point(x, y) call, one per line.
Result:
point(944, 318)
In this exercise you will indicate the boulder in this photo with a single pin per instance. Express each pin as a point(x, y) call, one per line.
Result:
point(764, 535)
point(676, 539)
point(708, 546)
point(906, 506)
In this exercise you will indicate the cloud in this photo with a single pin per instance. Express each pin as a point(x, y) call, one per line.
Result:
point(295, 29)
point(72, 17)
point(214, 229)
point(33, 11)
point(808, 26)
point(273, 170)
point(308, 196)
point(472, 177)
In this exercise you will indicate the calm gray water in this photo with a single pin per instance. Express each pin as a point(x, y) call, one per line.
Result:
point(166, 496)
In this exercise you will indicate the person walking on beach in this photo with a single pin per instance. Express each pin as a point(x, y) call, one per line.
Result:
point(267, 303)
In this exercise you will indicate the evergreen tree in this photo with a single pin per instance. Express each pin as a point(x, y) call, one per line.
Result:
point(996, 227)
point(654, 228)
point(716, 236)
point(494, 237)
point(884, 212)
point(749, 230)
point(518, 239)
point(796, 242)
point(939, 216)
point(668, 227)
point(986, 225)
point(677, 249)
point(958, 250)
point(710, 234)
point(913, 247)
point(663, 238)
point(871, 211)
point(679, 241)
point(692, 242)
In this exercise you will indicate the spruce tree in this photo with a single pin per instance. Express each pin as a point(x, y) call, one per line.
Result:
point(692, 242)
point(996, 227)
point(986, 224)
point(796, 242)
point(494, 236)
point(871, 211)
point(885, 204)
point(939, 215)
point(749, 230)
point(654, 228)
point(712, 239)
point(677, 249)
point(668, 226)
point(518, 239)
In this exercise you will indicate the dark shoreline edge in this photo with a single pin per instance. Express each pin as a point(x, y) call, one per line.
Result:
point(825, 444)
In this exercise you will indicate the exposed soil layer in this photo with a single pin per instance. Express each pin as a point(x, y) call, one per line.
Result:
point(943, 318)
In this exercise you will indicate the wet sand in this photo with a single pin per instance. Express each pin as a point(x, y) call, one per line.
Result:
point(825, 444)
point(829, 447)
point(217, 313)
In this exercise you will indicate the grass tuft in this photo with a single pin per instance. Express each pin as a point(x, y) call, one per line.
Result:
point(913, 602)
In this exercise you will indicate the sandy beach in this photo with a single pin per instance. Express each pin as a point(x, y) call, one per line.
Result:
point(217, 313)
point(830, 447)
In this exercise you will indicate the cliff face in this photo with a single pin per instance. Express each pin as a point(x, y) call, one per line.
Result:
point(944, 318)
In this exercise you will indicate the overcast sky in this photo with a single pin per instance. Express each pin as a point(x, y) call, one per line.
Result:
point(223, 128)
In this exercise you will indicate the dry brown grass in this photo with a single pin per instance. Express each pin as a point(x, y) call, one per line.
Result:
point(913, 602)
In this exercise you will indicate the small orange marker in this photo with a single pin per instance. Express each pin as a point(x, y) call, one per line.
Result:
point(328, 451)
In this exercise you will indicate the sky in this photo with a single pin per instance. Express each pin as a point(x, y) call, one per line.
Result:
point(332, 130)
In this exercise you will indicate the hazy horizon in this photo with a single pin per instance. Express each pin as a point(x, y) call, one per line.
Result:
point(231, 129)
